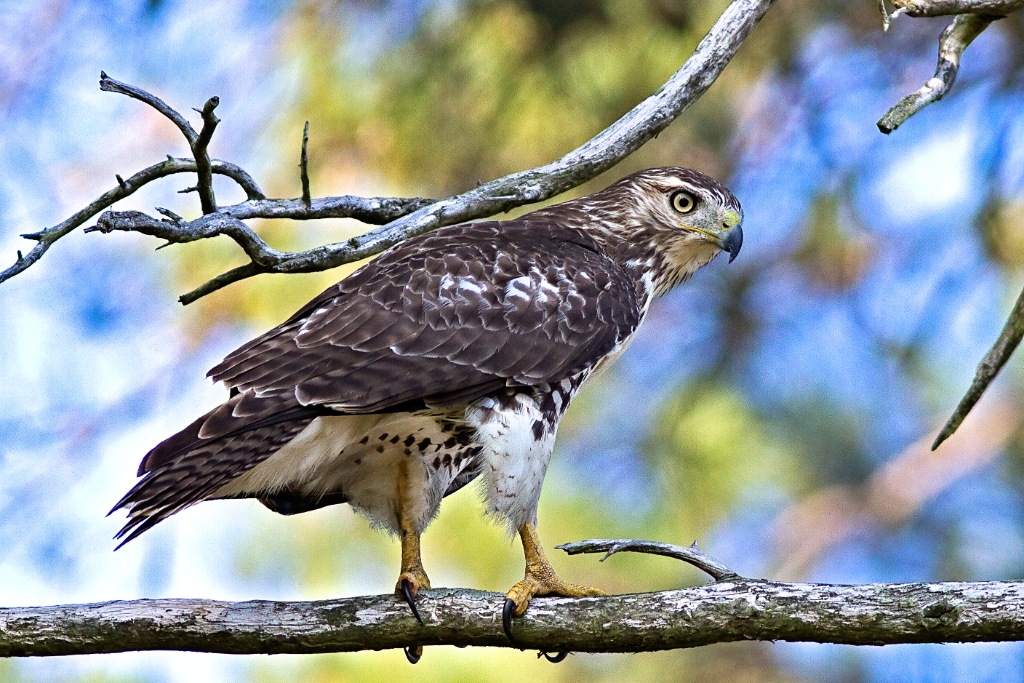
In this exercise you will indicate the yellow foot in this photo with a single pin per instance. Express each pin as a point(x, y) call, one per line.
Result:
point(533, 585)
point(540, 580)
point(410, 582)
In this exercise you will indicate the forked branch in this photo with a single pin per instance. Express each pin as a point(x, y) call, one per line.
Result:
point(942, 8)
point(954, 40)
point(405, 217)
point(971, 18)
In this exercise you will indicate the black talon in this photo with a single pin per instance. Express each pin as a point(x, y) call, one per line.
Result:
point(413, 653)
point(407, 594)
point(506, 617)
point(556, 659)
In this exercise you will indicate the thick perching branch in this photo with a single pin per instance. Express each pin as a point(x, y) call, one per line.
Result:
point(599, 154)
point(732, 609)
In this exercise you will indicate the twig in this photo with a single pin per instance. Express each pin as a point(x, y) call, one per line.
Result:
point(873, 614)
point(988, 368)
point(202, 156)
point(108, 84)
point(223, 280)
point(952, 43)
point(304, 167)
point(692, 554)
point(887, 18)
point(366, 209)
point(373, 210)
point(46, 238)
point(178, 231)
point(197, 142)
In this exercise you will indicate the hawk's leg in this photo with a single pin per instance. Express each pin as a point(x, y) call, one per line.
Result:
point(413, 577)
point(540, 580)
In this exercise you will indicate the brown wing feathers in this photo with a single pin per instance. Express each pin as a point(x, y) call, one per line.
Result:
point(445, 318)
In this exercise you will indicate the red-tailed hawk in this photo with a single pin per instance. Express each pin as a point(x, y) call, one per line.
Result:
point(451, 356)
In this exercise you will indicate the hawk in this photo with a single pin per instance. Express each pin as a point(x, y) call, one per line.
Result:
point(450, 357)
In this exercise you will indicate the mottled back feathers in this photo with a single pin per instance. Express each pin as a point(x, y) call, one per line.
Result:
point(435, 328)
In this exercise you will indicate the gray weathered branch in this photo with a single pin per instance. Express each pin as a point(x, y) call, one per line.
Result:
point(988, 368)
point(954, 40)
point(366, 209)
point(732, 609)
point(204, 171)
point(973, 17)
point(690, 554)
point(938, 8)
point(108, 84)
point(599, 154)
point(874, 614)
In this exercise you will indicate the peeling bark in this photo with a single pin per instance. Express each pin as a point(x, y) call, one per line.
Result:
point(874, 614)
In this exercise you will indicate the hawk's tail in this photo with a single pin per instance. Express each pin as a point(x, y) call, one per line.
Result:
point(188, 468)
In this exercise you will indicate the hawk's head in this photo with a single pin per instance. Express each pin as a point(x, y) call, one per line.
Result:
point(662, 223)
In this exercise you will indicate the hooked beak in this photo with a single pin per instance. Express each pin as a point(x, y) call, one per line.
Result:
point(730, 239)
point(732, 242)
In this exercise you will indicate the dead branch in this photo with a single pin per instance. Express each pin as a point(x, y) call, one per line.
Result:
point(971, 18)
point(406, 217)
point(732, 609)
point(690, 554)
point(954, 40)
point(304, 166)
point(939, 8)
point(988, 368)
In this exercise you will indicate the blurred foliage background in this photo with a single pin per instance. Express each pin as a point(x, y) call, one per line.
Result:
point(778, 409)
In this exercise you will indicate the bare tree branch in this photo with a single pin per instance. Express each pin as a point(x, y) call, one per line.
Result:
point(202, 156)
point(599, 154)
point(692, 554)
point(954, 40)
point(938, 8)
point(45, 238)
point(366, 209)
point(108, 84)
point(874, 614)
point(732, 609)
point(973, 17)
point(197, 142)
point(988, 368)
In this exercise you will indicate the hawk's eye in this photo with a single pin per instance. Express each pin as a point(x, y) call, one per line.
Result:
point(683, 202)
